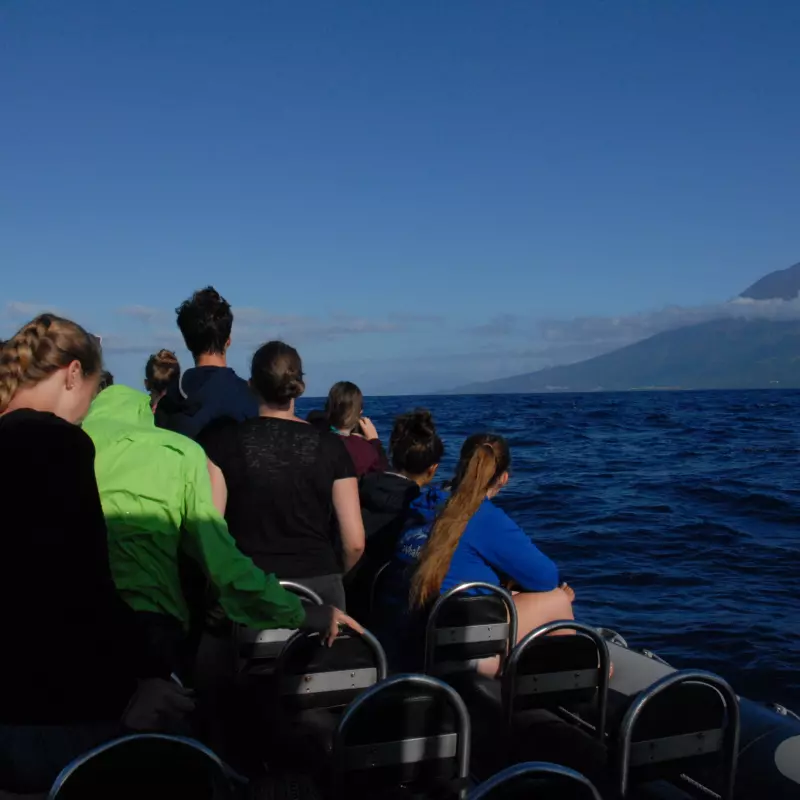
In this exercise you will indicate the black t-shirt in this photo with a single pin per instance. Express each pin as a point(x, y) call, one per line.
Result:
point(280, 476)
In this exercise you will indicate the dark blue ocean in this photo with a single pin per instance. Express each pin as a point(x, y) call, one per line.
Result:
point(674, 516)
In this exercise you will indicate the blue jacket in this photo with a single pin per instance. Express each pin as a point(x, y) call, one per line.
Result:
point(204, 395)
point(422, 514)
point(494, 548)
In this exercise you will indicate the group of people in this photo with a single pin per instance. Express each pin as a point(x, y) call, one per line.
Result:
point(135, 522)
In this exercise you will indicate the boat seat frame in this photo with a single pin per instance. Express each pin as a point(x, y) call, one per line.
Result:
point(516, 684)
point(723, 740)
point(408, 750)
point(473, 634)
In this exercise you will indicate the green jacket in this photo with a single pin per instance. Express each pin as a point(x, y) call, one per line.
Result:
point(156, 495)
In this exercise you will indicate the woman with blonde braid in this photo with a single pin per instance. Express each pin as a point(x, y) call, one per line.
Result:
point(474, 540)
point(73, 651)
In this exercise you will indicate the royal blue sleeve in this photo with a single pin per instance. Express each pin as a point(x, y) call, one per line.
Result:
point(505, 546)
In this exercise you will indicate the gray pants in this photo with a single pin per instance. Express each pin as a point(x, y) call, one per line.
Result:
point(329, 587)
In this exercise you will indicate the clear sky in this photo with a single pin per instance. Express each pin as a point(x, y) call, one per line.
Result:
point(409, 191)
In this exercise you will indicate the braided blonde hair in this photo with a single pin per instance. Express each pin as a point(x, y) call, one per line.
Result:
point(40, 348)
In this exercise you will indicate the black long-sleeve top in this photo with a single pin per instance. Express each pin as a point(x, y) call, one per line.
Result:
point(71, 650)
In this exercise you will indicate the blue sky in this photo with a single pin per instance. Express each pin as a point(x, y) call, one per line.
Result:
point(417, 194)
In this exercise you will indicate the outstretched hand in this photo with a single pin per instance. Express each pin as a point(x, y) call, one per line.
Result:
point(340, 620)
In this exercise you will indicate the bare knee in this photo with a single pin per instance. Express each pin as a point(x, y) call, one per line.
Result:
point(535, 609)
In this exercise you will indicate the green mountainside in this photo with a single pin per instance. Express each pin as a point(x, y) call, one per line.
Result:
point(721, 354)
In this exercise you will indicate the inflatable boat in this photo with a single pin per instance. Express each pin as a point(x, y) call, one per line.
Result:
point(648, 731)
point(311, 722)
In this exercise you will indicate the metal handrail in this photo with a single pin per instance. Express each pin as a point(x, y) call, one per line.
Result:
point(374, 585)
point(509, 775)
point(510, 672)
point(382, 666)
point(84, 759)
point(302, 591)
point(730, 745)
point(423, 681)
point(498, 591)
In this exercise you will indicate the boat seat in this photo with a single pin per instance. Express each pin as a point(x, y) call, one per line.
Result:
point(537, 779)
point(313, 684)
point(155, 766)
point(556, 672)
point(686, 721)
point(408, 735)
point(463, 627)
point(257, 651)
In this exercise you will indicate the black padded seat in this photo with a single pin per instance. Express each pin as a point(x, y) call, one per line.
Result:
point(685, 723)
point(540, 780)
point(557, 673)
point(152, 766)
point(463, 627)
point(257, 651)
point(312, 685)
point(408, 735)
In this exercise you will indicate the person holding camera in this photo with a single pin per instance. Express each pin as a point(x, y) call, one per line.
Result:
point(344, 414)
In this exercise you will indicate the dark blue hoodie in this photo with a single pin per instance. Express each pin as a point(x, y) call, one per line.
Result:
point(204, 395)
point(399, 628)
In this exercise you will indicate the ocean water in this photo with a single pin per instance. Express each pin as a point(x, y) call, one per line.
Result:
point(674, 516)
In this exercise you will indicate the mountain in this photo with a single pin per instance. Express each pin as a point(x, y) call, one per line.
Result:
point(784, 284)
point(721, 354)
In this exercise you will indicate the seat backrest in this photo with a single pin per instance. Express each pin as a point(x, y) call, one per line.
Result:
point(155, 766)
point(411, 733)
point(464, 626)
point(260, 649)
point(537, 779)
point(310, 675)
point(545, 671)
point(688, 720)
point(375, 585)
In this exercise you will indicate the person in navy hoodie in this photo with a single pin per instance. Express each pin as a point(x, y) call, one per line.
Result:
point(387, 499)
point(400, 627)
point(211, 390)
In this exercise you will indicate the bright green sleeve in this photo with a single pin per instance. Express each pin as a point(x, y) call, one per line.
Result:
point(247, 595)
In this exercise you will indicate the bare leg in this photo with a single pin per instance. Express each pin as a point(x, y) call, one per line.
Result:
point(534, 609)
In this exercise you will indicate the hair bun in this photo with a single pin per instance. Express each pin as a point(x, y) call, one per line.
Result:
point(291, 387)
point(165, 358)
point(421, 424)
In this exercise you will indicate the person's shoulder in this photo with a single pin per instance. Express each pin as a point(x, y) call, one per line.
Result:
point(328, 439)
point(488, 516)
point(220, 434)
point(244, 392)
point(40, 430)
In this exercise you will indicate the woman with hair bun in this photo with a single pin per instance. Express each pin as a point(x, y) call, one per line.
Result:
point(74, 650)
point(286, 481)
point(161, 369)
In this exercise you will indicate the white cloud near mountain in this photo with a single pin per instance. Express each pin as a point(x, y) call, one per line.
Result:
point(504, 344)
point(621, 330)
